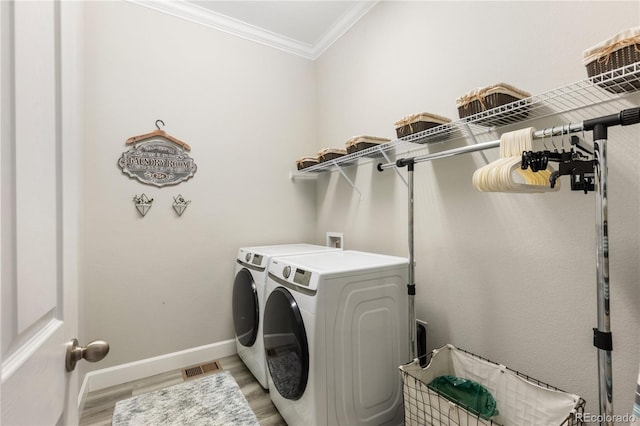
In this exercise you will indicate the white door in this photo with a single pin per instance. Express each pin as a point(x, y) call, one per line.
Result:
point(39, 166)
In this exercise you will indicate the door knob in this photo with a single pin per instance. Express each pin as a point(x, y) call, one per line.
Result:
point(93, 352)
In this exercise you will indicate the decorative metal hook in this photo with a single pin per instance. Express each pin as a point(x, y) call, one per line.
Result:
point(158, 127)
point(180, 204)
point(143, 203)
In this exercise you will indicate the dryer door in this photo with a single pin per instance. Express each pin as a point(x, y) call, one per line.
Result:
point(285, 344)
point(246, 311)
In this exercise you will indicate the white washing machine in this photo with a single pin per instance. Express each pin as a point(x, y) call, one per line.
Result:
point(335, 333)
point(249, 298)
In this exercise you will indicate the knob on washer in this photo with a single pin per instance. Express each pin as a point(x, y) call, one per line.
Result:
point(286, 271)
point(247, 257)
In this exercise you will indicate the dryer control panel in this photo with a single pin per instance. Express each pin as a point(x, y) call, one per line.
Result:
point(292, 276)
point(302, 277)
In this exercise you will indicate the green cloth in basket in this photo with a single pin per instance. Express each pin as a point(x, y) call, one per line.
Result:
point(467, 393)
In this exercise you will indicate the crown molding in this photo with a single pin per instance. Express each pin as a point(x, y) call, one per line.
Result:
point(199, 15)
point(343, 25)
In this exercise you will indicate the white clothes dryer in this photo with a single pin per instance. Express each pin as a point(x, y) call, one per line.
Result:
point(335, 332)
point(249, 297)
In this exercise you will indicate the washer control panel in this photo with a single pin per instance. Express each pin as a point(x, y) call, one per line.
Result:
point(252, 260)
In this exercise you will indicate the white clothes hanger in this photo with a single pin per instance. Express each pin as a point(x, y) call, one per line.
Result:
point(506, 175)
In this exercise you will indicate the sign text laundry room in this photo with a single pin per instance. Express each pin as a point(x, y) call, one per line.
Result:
point(157, 159)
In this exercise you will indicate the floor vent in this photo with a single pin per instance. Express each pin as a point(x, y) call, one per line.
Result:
point(197, 371)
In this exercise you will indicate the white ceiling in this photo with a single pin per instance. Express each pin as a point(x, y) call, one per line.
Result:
point(306, 27)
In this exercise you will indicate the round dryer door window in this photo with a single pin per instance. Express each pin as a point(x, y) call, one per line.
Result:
point(246, 311)
point(285, 344)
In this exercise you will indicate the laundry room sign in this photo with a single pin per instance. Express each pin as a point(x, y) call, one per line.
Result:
point(157, 158)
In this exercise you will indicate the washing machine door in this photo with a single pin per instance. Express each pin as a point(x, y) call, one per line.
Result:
point(246, 311)
point(285, 344)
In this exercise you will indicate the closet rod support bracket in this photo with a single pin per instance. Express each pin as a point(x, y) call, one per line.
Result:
point(386, 157)
point(602, 340)
point(408, 162)
point(601, 124)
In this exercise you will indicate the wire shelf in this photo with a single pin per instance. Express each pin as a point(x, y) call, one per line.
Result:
point(593, 91)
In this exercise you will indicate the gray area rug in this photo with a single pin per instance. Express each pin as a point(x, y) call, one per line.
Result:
point(211, 400)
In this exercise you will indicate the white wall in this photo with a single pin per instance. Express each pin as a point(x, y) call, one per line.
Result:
point(511, 277)
point(162, 283)
point(507, 276)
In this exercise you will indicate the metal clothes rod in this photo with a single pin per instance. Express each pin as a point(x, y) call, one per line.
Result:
point(538, 134)
point(602, 337)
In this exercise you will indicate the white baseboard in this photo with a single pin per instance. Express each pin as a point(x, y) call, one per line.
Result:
point(123, 373)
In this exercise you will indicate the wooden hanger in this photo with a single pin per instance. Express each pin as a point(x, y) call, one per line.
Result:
point(161, 133)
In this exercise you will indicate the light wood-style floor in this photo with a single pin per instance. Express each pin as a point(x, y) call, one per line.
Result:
point(99, 405)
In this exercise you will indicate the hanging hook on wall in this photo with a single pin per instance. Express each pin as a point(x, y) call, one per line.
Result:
point(158, 127)
point(180, 204)
point(143, 203)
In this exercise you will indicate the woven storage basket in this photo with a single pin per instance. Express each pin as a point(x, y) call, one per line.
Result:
point(305, 162)
point(616, 52)
point(521, 400)
point(420, 122)
point(359, 143)
point(490, 97)
point(327, 154)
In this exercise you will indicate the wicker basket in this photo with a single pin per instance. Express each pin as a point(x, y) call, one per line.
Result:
point(305, 162)
point(327, 154)
point(359, 143)
point(616, 52)
point(420, 122)
point(521, 400)
point(488, 98)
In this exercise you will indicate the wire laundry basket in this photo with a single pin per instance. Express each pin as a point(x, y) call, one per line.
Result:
point(521, 399)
